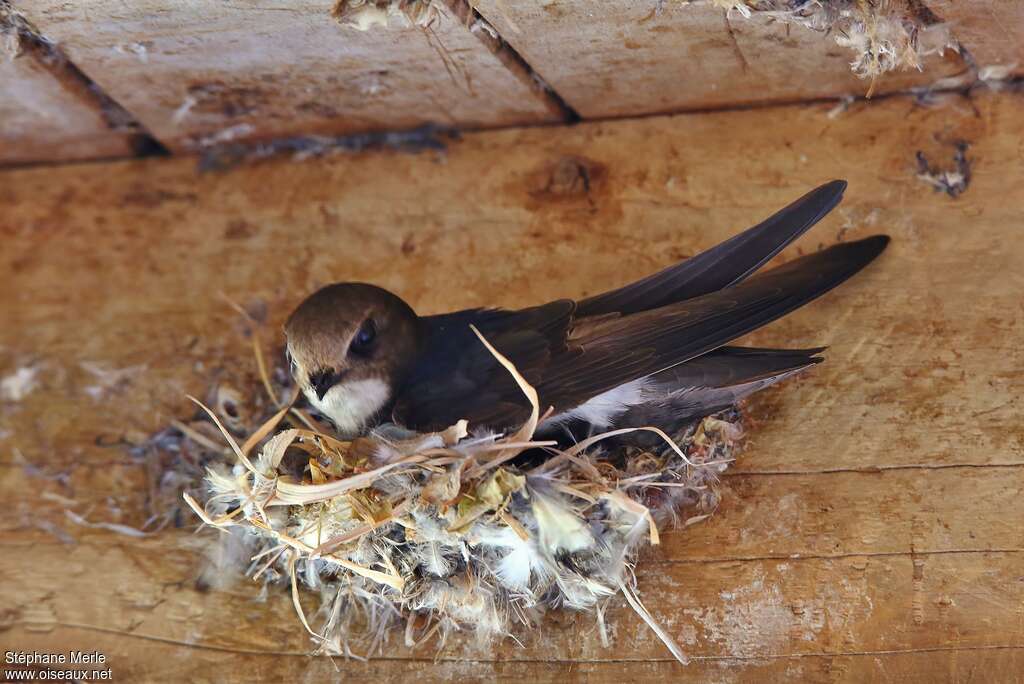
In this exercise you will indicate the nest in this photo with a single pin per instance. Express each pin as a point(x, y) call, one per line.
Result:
point(883, 35)
point(446, 531)
point(364, 15)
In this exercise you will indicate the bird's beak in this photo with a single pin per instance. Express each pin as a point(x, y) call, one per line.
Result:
point(323, 381)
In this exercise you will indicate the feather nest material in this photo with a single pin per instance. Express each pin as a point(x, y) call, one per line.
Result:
point(882, 35)
point(364, 15)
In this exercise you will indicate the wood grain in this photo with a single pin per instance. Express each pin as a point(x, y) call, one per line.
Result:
point(868, 531)
point(217, 72)
point(43, 120)
point(143, 659)
point(729, 612)
point(993, 32)
point(625, 59)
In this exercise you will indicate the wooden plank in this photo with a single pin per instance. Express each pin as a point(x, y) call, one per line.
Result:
point(772, 609)
point(623, 59)
point(993, 31)
point(219, 72)
point(147, 660)
point(841, 514)
point(43, 120)
point(903, 451)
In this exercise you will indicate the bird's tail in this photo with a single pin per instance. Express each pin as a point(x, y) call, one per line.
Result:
point(723, 265)
point(721, 378)
point(703, 386)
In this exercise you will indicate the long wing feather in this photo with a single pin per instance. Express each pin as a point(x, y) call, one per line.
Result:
point(723, 265)
point(692, 390)
point(654, 341)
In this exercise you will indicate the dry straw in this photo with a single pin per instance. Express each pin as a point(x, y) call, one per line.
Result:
point(451, 530)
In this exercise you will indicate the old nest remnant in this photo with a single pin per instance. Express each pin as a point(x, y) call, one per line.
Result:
point(366, 14)
point(453, 531)
point(883, 35)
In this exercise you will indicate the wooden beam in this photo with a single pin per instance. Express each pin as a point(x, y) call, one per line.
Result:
point(46, 114)
point(770, 609)
point(139, 658)
point(625, 59)
point(891, 472)
point(212, 73)
point(992, 31)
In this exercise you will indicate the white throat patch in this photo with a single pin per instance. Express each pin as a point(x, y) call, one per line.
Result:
point(352, 404)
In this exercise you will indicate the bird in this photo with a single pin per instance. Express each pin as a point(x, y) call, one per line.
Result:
point(654, 352)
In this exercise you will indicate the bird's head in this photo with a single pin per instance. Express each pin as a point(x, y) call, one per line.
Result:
point(350, 345)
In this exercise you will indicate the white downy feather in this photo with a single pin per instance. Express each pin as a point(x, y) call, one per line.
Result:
point(520, 562)
point(630, 528)
point(436, 549)
point(433, 559)
point(559, 527)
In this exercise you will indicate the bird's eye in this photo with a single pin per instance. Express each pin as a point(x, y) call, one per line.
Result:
point(362, 343)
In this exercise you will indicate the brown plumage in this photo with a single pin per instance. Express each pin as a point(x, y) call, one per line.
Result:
point(649, 351)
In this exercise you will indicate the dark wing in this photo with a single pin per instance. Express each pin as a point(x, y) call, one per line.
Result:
point(700, 387)
point(611, 350)
point(716, 381)
point(723, 265)
point(733, 366)
point(571, 361)
point(456, 377)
